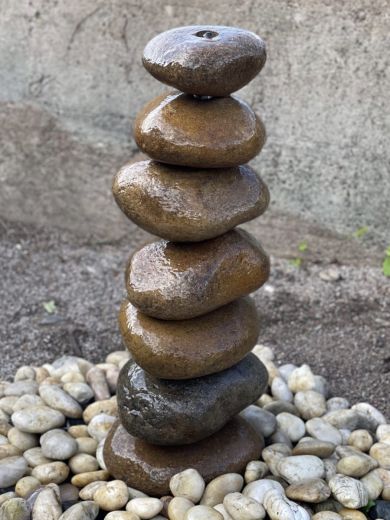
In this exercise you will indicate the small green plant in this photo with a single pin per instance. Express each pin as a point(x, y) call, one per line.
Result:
point(361, 232)
point(366, 509)
point(386, 263)
point(302, 247)
point(50, 306)
point(296, 262)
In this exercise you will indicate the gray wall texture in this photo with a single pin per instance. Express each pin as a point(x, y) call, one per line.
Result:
point(71, 82)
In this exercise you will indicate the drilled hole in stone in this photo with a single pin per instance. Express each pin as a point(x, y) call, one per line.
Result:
point(207, 35)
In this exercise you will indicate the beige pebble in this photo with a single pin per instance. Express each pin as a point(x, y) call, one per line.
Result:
point(255, 470)
point(202, 512)
point(381, 452)
point(241, 507)
point(384, 474)
point(35, 457)
point(41, 374)
point(178, 507)
point(7, 450)
point(82, 479)
point(97, 380)
point(86, 445)
point(7, 496)
point(37, 419)
point(117, 356)
point(59, 400)
point(121, 515)
point(7, 404)
point(83, 463)
point(356, 465)
point(81, 511)
point(26, 401)
point(47, 505)
point(145, 508)
point(106, 406)
point(259, 488)
point(51, 380)
point(373, 484)
point(26, 485)
point(273, 454)
point(221, 509)
point(51, 473)
point(72, 377)
point(81, 392)
point(326, 515)
point(187, 484)
point(22, 440)
point(114, 495)
point(87, 492)
point(4, 427)
point(78, 430)
point(352, 514)
point(312, 491)
point(219, 487)
point(112, 376)
point(25, 373)
point(15, 509)
point(264, 400)
point(310, 404)
point(301, 379)
point(361, 439)
point(100, 425)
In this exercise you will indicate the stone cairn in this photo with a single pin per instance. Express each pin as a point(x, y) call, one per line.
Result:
point(188, 321)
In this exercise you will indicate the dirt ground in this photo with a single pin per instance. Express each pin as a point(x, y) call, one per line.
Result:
point(339, 326)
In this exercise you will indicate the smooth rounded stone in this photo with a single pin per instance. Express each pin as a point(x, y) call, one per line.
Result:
point(118, 356)
point(69, 494)
point(262, 422)
point(352, 514)
point(220, 486)
point(81, 392)
point(255, 470)
point(187, 484)
point(291, 425)
point(59, 400)
point(78, 430)
point(205, 60)
point(170, 349)
point(301, 379)
point(11, 470)
point(37, 419)
point(301, 467)
point(121, 515)
point(51, 473)
point(58, 444)
point(83, 479)
point(349, 491)
point(361, 439)
point(280, 389)
point(343, 419)
point(381, 452)
point(8, 450)
point(312, 490)
point(307, 446)
point(3, 440)
point(181, 130)
point(182, 412)
point(6, 496)
point(149, 468)
point(178, 507)
point(279, 507)
point(324, 431)
point(274, 453)
point(371, 414)
point(286, 370)
point(98, 382)
point(4, 427)
point(15, 509)
point(27, 401)
point(280, 437)
point(25, 373)
point(22, 440)
point(7, 404)
point(189, 205)
point(277, 407)
point(100, 425)
point(4, 417)
point(326, 515)
point(26, 485)
point(20, 388)
point(385, 477)
point(373, 483)
point(381, 509)
point(87, 445)
point(114, 495)
point(66, 363)
point(241, 507)
point(72, 377)
point(264, 399)
point(356, 465)
point(87, 492)
point(145, 508)
point(221, 509)
point(177, 281)
point(202, 512)
point(100, 454)
point(82, 511)
point(258, 489)
point(383, 432)
point(337, 403)
point(83, 463)
point(47, 505)
point(310, 404)
point(35, 457)
point(106, 406)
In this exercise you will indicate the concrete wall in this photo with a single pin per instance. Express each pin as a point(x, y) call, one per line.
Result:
point(71, 82)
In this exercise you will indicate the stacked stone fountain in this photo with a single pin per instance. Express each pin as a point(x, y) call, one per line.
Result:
point(188, 321)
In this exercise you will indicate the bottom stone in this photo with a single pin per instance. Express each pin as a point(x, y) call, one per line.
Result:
point(149, 468)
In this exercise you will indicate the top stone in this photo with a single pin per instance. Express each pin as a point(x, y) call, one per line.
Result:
point(205, 60)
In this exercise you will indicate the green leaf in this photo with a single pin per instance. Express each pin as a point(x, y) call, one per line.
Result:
point(370, 504)
point(386, 266)
point(50, 306)
point(302, 247)
point(359, 233)
point(297, 262)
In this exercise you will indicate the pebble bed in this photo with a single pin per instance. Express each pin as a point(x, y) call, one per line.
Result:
point(324, 459)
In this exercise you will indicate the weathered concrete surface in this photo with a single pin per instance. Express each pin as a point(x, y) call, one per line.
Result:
point(71, 83)
point(341, 328)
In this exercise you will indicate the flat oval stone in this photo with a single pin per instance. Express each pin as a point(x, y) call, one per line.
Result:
point(214, 133)
point(169, 412)
point(205, 60)
point(191, 348)
point(173, 281)
point(189, 205)
point(149, 467)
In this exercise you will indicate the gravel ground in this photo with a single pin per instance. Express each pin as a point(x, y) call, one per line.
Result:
point(340, 327)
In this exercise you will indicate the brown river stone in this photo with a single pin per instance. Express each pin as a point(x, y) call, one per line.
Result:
point(205, 60)
point(149, 467)
point(176, 281)
point(189, 205)
point(214, 133)
point(190, 348)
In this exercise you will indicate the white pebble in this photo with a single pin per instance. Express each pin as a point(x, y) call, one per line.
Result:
point(83, 463)
point(58, 444)
point(202, 513)
point(11, 470)
point(97, 380)
point(301, 467)
point(373, 484)
point(262, 421)
point(178, 507)
point(310, 404)
point(374, 416)
point(286, 370)
point(20, 388)
point(258, 489)
point(337, 403)
point(145, 508)
point(291, 425)
point(301, 379)
point(255, 470)
point(51, 473)
point(81, 392)
point(187, 484)
point(82, 511)
point(381, 452)
point(37, 419)
point(100, 425)
point(114, 495)
point(47, 505)
point(280, 390)
point(322, 430)
point(241, 507)
point(348, 491)
point(58, 399)
point(279, 507)
point(220, 486)
point(15, 509)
